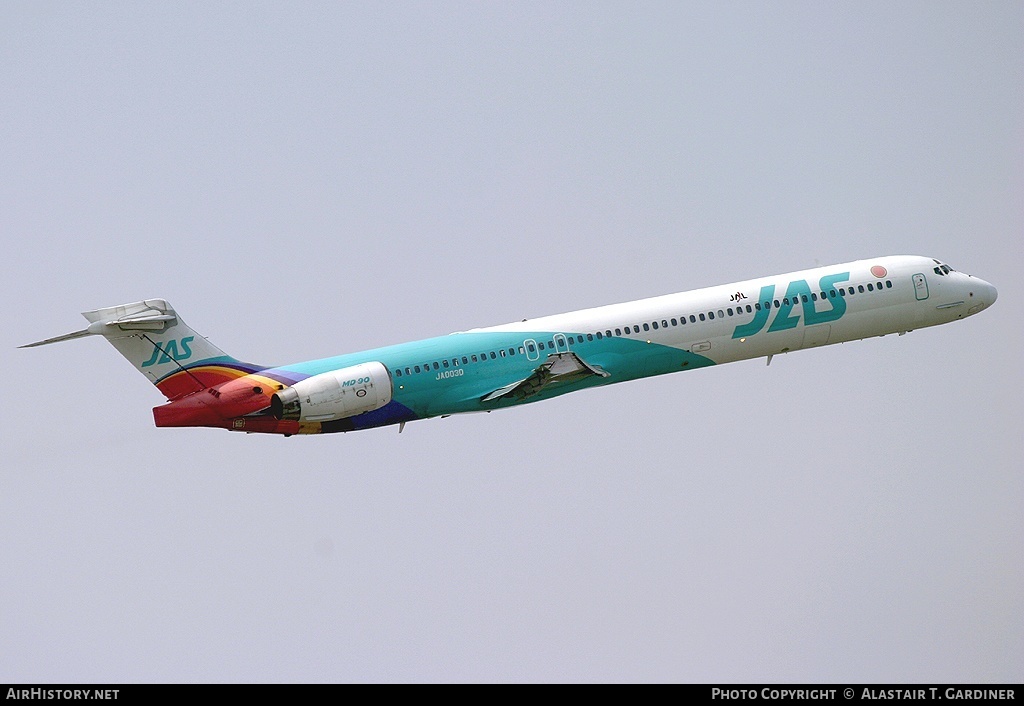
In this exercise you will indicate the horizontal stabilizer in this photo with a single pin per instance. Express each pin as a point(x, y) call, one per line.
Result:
point(58, 339)
point(148, 320)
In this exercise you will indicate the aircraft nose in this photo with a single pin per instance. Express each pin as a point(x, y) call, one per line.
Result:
point(989, 293)
point(985, 292)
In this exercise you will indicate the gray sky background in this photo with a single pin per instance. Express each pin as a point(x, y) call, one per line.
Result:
point(306, 179)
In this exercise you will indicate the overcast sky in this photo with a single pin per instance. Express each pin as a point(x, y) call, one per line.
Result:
point(302, 179)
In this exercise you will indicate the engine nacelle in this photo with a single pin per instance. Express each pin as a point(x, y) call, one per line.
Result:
point(337, 394)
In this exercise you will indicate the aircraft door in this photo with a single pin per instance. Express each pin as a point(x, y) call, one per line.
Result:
point(920, 287)
point(816, 335)
point(530, 346)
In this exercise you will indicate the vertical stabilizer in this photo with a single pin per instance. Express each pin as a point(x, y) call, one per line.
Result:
point(161, 346)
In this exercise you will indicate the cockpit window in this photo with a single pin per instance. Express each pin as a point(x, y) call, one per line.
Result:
point(943, 269)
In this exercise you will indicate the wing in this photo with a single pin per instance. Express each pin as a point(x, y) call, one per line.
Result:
point(558, 368)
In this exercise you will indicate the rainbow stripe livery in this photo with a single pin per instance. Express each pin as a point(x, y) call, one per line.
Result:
point(501, 366)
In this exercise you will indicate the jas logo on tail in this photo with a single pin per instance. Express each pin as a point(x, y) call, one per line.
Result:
point(796, 293)
point(169, 351)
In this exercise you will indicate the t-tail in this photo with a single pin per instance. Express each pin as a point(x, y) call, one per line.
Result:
point(161, 346)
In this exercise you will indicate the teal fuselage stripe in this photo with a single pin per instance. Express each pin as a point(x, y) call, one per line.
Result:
point(460, 386)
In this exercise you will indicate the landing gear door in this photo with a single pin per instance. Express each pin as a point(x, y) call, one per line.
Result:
point(920, 287)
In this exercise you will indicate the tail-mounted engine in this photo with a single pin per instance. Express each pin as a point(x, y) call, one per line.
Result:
point(335, 395)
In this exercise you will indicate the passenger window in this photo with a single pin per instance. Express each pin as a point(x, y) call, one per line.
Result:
point(888, 284)
point(608, 333)
point(721, 314)
point(711, 315)
point(511, 351)
point(693, 319)
point(636, 329)
point(493, 356)
point(408, 371)
point(590, 336)
point(664, 324)
point(444, 363)
point(729, 311)
point(436, 366)
point(398, 372)
point(803, 298)
point(674, 322)
point(786, 301)
point(465, 360)
point(648, 328)
point(777, 305)
point(702, 318)
point(473, 357)
point(502, 351)
point(417, 368)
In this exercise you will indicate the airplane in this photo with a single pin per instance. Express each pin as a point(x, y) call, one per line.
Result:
point(485, 369)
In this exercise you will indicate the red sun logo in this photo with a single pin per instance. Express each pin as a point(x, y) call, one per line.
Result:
point(878, 271)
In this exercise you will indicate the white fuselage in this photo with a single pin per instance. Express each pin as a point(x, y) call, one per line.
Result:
point(883, 310)
point(526, 361)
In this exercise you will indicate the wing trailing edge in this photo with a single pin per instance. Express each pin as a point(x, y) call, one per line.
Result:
point(557, 368)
